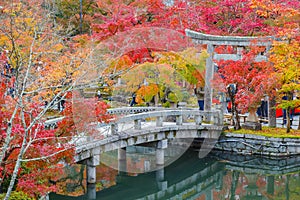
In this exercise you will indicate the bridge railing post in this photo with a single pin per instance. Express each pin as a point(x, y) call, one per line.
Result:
point(114, 128)
point(159, 121)
point(137, 124)
point(179, 119)
point(215, 118)
point(218, 116)
point(198, 119)
point(221, 118)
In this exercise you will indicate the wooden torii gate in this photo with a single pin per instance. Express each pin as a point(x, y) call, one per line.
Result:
point(240, 42)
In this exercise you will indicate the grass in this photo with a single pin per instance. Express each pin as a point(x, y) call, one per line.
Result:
point(269, 132)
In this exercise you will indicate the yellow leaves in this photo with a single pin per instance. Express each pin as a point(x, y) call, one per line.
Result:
point(81, 40)
point(262, 13)
point(3, 40)
point(279, 14)
point(190, 56)
point(58, 47)
point(265, 8)
point(189, 64)
point(27, 23)
point(17, 7)
point(286, 59)
point(146, 93)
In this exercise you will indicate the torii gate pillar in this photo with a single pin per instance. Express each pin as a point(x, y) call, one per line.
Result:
point(209, 73)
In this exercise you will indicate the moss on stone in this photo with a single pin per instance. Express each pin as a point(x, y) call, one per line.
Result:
point(268, 132)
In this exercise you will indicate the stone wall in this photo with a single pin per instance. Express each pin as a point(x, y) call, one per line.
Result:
point(248, 144)
point(259, 164)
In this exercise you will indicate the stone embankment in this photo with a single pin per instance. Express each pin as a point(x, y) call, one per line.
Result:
point(249, 144)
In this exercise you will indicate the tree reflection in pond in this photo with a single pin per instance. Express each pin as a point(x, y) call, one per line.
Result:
point(218, 176)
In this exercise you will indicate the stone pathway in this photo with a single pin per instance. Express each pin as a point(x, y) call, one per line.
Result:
point(279, 121)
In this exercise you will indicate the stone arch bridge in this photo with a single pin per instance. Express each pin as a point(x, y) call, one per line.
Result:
point(143, 125)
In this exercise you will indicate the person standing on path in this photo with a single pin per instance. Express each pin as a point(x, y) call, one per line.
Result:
point(199, 92)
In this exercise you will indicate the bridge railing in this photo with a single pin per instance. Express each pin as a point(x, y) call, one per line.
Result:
point(52, 123)
point(135, 110)
point(139, 114)
point(211, 117)
point(132, 110)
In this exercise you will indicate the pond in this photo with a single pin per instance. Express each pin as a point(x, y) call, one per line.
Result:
point(217, 176)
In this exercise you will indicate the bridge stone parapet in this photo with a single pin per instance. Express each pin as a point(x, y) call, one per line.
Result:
point(198, 116)
point(52, 123)
point(132, 110)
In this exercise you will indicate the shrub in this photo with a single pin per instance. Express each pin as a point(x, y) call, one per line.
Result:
point(17, 195)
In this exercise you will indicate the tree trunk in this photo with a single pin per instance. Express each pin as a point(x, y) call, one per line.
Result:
point(17, 167)
point(288, 120)
point(235, 115)
point(21, 153)
point(156, 100)
point(272, 112)
point(234, 111)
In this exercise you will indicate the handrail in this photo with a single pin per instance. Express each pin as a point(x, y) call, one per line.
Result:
point(160, 115)
point(165, 113)
point(141, 113)
point(130, 110)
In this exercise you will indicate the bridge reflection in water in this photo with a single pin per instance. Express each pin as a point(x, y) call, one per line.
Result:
point(217, 176)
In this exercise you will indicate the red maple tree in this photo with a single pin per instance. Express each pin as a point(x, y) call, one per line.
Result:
point(252, 79)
